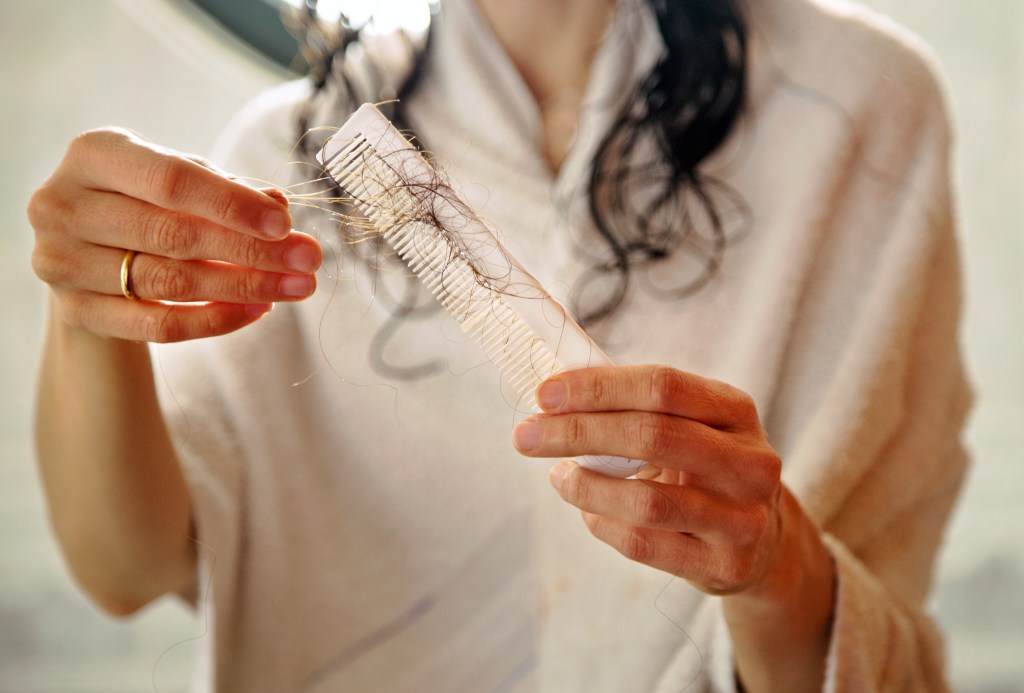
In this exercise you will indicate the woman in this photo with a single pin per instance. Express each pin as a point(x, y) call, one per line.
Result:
point(347, 536)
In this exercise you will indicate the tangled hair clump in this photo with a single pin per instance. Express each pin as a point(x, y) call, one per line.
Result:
point(647, 197)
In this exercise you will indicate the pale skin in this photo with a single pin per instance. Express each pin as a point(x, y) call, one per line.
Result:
point(117, 497)
point(711, 508)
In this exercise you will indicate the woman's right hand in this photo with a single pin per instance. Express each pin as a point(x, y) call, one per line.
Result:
point(212, 254)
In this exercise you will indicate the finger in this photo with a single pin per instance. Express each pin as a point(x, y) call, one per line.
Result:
point(198, 280)
point(118, 221)
point(741, 464)
point(97, 269)
point(641, 503)
point(117, 161)
point(150, 321)
point(201, 160)
point(660, 439)
point(648, 388)
point(278, 195)
point(678, 554)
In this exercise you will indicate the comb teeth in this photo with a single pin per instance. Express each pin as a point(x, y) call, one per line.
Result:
point(476, 303)
point(523, 331)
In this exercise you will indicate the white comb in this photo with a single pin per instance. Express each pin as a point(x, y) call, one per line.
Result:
point(525, 332)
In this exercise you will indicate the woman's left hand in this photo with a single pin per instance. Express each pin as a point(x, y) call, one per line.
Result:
point(709, 505)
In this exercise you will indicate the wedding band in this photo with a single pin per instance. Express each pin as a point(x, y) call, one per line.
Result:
point(126, 275)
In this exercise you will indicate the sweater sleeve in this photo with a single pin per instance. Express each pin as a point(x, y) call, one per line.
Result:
point(872, 394)
point(881, 480)
point(875, 451)
point(885, 534)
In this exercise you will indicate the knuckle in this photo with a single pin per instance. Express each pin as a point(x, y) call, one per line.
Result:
point(48, 211)
point(765, 469)
point(250, 252)
point(169, 281)
point(638, 545)
point(579, 491)
point(38, 209)
point(575, 490)
point(85, 141)
point(41, 265)
point(666, 386)
point(653, 507)
point(598, 388)
point(100, 137)
point(228, 206)
point(213, 323)
point(167, 179)
point(745, 402)
point(250, 285)
point(51, 269)
point(714, 395)
point(745, 408)
point(161, 325)
point(81, 142)
point(576, 435)
point(171, 235)
point(86, 146)
point(655, 435)
point(730, 576)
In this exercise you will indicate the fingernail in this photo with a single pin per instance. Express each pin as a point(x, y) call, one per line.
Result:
point(277, 196)
point(297, 287)
point(303, 258)
point(552, 394)
point(557, 473)
point(275, 223)
point(254, 310)
point(526, 436)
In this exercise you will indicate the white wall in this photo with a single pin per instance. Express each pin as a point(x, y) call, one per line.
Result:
point(66, 66)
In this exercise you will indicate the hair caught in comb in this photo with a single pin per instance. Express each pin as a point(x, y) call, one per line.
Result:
point(399, 196)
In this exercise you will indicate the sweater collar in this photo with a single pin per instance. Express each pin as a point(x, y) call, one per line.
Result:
point(493, 105)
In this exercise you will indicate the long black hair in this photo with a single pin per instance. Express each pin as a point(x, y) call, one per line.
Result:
point(647, 196)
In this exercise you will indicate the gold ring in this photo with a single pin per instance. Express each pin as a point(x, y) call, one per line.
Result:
point(126, 275)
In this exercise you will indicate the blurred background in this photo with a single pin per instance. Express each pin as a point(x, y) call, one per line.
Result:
point(170, 71)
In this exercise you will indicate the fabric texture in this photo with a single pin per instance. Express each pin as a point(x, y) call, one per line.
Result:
point(364, 532)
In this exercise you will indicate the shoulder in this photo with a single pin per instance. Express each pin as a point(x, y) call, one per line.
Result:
point(838, 58)
point(857, 56)
point(260, 138)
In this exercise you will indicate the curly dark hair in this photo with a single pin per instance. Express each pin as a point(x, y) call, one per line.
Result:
point(646, 168)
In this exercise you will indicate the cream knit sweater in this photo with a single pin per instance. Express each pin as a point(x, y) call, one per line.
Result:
point(366, 533)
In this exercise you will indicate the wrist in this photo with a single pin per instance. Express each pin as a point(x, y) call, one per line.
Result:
point(802, 567)
point(781, 626)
